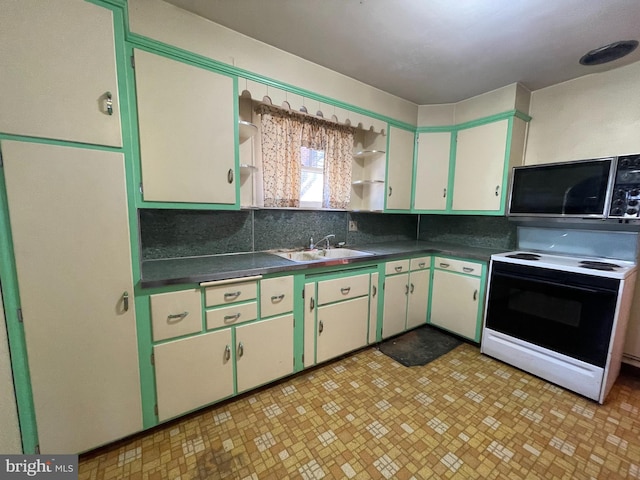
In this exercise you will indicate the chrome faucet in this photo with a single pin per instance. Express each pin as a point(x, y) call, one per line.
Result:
point(325, 239)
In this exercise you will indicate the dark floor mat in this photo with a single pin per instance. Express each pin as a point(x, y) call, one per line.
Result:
point(419, 346)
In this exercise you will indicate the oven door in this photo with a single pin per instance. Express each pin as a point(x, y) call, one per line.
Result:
point(569, 313)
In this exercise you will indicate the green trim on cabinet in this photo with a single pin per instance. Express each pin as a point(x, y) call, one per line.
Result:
point(386, 170)
point(481, 302)
point(298, 322)
point(156, 46)
point(15, 329)
point(381, 277)
point(452, 169)
point(475, 123)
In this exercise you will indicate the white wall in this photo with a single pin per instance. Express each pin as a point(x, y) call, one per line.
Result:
point(589, 117)
point(9, 430)
point(164, 22)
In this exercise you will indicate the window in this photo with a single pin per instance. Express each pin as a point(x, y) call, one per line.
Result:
point(311, 177)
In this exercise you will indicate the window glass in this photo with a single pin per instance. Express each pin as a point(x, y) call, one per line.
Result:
point(312, 177)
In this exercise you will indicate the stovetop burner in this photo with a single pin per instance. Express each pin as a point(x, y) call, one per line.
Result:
point(524, 256)
point(603, 266)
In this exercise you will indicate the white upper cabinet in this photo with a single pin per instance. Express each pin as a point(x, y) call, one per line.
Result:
point(399, 168)
point(187, 131)
point(432, 171)
point(481, 159)
point(59, 72)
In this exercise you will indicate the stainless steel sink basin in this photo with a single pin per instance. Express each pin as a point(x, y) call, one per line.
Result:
point(321, 255)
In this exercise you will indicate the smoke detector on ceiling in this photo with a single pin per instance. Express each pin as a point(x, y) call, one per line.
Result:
point(609, 53)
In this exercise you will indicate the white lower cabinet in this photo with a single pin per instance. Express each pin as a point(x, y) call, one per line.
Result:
point(456, 303)
point(264, 351)
point(406, 295)
point(342, 327)
point(193, 372)
point(339, 315)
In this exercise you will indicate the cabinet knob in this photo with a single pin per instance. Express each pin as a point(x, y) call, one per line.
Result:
point(320, 327)
point(497, 190)
point(240, 349)
point(109, 103)
point(227, 353)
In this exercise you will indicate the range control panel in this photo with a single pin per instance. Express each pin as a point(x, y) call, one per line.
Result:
point(625, 201)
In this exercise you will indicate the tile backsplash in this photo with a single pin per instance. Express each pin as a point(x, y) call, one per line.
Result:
point(184, 233)
point(472, 230)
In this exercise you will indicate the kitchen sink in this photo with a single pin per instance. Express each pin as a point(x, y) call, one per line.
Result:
point(321, 255)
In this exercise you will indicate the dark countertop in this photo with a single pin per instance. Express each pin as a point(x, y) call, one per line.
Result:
point(175, 271)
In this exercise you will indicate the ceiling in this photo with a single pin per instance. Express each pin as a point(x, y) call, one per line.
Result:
point(436, 51)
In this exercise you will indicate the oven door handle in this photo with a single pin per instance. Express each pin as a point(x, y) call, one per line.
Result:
point(554, 284)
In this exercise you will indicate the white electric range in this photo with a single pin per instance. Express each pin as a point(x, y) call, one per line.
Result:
point(559, 306)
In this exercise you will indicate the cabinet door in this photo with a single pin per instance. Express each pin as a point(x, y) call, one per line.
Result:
point(396, 289)
point(69, 220)
point(432, 171)
point(186, 126)
point(59, 66)
point(193, 372)
point(399, 169)
point(309, 324)
point(342, 327)
point(418, 298)
point(455, 303)
point(373, 309)
point(264, 351)
point(481, 156)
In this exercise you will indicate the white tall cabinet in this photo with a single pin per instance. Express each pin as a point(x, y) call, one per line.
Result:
point(59, 72)
point(187, 129)
point(432, 171)
point(399, 168)
point(69, 221)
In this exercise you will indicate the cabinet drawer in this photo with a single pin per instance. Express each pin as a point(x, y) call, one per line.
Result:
point(461, 266)
point(343, 288)
point(231, 315)
point(175, 313)
point(230, 293)
point(397, 266)
point(420, 263)
point(276, 296)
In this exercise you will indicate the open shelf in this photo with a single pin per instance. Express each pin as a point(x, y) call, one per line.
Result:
point(246, 166)
point(247, 130)
point(366, 182)
point(366, 154)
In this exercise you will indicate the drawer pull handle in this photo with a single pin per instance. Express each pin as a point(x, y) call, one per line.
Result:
point(345, 290)
point(109, 102)
point(227, 353)
point(231, 295)
point(390, 191)
point(176, 317)
point(230, 176)
point(468, 269)
point(320, 327)
point(412, 288)
point(240, 349)
point(475, 294)
point(375, 290)
point(398, 269)
point(444, 193)
point(232, 317)
point(312, 304)
point(422, 264)
point(444, 265)
point(497, 190)
point(406, 289)
point(277, 298)
point(125, 301)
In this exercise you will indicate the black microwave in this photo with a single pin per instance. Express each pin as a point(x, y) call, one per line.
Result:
point(598, 188)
